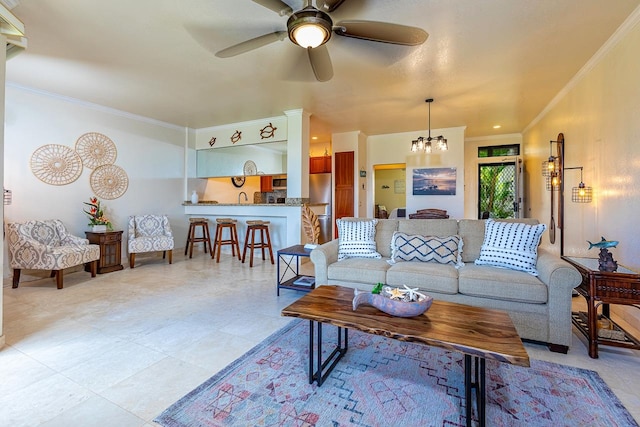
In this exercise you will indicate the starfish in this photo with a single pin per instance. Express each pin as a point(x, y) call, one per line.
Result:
point(413, 295)
point(396, 293)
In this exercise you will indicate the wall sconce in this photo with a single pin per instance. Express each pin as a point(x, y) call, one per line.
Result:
point(7, 196)
point(581, 193)
point(552, 168)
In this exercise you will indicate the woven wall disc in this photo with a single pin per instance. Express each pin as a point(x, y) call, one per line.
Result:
point(96, 149)
point(109, 181)
point(56, 164)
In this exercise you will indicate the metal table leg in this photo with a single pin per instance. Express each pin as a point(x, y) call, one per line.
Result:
point(319, 370)
point(478, 383)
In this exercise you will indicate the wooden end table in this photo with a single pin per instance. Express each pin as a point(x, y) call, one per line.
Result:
point(601, 288)
point(478, 333)
point(110, 243)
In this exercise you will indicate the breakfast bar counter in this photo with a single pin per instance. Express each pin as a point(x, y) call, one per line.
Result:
point(285, 220)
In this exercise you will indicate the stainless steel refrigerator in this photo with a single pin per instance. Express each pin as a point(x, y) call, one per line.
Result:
point(320, 192)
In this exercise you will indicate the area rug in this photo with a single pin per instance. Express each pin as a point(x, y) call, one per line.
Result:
point(384, 382)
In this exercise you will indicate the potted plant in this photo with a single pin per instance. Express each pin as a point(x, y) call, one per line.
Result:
point(97, 220)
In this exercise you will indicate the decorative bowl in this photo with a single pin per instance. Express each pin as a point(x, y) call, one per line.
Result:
point(391, 306)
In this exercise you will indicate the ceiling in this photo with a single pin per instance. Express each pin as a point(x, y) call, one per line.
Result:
point(485, 62)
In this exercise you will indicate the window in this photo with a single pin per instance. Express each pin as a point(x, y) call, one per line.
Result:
point(499, 150)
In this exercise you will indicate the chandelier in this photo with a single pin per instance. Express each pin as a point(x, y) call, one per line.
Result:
point(425, 144)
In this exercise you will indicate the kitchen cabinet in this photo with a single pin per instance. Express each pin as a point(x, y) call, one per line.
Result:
point(320, 164)
point(266, 184)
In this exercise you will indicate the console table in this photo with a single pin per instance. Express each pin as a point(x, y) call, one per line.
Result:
point(110, 243)
point(602, 288)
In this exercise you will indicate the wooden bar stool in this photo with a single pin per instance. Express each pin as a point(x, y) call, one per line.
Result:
point(191, 235)
point(221, 225)
point(250, 240)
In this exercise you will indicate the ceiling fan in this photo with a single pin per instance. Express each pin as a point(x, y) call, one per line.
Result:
point(311, 27)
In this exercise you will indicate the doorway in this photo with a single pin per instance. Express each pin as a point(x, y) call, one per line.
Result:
point(389, 193)
point(499, 189)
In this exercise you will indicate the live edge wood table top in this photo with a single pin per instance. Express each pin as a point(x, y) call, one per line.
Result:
point(479, 332)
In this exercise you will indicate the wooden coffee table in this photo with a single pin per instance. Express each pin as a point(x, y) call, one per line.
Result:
point(478, 333)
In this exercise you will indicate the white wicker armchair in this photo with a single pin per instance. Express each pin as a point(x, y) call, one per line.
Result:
point(46, 245)
point(149, 233)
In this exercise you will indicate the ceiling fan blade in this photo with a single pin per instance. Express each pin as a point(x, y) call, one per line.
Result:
point(251, 44)
point(329, 5)
point(384, 32)
point(321, 63)
point(278, 6)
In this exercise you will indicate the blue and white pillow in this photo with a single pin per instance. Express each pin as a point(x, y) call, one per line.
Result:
point(443, 250)
point(356, 239)
point(512, 245)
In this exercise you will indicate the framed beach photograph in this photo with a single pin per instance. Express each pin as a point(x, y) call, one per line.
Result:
point(434, 182)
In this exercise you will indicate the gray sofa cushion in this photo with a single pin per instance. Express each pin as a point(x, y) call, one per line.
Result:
point(500, 283)
point(429, 227)
point(428, 276)
point(362, 270)
point(384, 232)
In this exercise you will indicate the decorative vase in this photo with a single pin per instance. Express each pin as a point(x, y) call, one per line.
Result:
point(99, 228)
point(392, 307)
point(194, 197)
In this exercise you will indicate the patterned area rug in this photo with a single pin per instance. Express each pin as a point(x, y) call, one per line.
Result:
point(384, 382)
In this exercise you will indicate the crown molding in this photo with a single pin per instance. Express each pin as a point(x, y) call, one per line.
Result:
point(623, 30)
point(97, 107)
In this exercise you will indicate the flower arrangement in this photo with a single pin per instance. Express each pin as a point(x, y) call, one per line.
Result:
point(96, 213)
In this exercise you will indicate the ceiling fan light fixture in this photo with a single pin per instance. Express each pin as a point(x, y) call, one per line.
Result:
point(309, 28)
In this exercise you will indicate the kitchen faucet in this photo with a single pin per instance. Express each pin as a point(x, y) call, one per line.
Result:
point(246, 199)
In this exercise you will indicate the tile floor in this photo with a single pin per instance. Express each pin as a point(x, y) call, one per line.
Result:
point(118, 349)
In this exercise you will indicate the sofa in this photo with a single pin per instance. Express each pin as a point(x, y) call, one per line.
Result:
point(539, 305)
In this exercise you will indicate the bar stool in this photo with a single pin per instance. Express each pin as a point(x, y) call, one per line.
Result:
point(191, 235)
point(250, 240)
point(221, 225)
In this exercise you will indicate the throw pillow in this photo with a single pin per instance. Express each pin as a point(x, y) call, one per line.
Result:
point(511, 245)
point(356, 239)
point(443, 250)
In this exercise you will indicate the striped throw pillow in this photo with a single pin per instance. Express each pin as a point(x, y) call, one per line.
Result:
point(356, 239)
point(511, 245)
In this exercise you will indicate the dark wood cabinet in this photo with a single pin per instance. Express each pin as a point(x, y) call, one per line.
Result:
point(601, 288)
point(266, 184)
point(320, 164)
point(110, 243)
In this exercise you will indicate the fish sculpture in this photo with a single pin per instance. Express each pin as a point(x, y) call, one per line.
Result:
point(603, 244)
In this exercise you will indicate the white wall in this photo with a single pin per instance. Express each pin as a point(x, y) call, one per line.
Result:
point(599, 115)
point(152, 154)
point(396, 148)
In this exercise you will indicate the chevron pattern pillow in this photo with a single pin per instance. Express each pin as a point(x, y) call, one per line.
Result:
point(512, 245)
point(443, 250)
point(357, 239)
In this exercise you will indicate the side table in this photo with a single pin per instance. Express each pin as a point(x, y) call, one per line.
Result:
point(602, 288)
point(110, 243)
point(288, 256)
